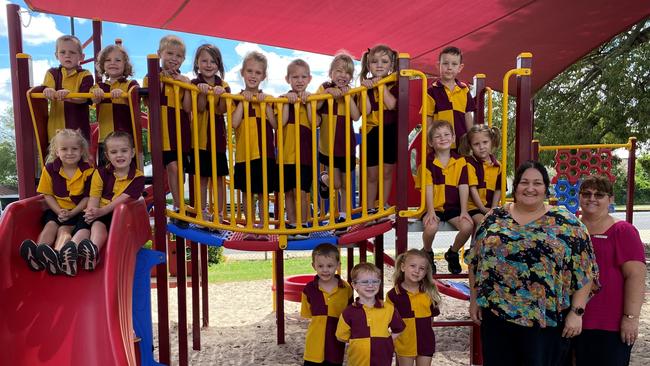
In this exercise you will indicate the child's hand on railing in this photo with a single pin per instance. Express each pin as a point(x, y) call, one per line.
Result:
point(116, 93)
point(291, 97)
point(203, 88)
point(304, 95)
point(368, 83)
point(335, 92)
point(248, 96)
point(98, 95)
point(49, 93)
point(218, 90)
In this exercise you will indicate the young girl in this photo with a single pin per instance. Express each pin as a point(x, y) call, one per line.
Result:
point(365, 324)
point(298, 76)
point(377, 63)
point(172, 54)
point(113, 184)
point(209, 70)
point(447, 192)
point(340, 73)
point(483, 169)
point(65, 186)
point(416, 299)
point(254, 72)
point(113, 114)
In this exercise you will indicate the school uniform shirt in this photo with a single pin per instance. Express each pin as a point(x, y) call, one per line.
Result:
point(339, 126)
point(324, 309)
point(66, 114)
point(68, 192)
point(390, 116)
point(114, 114)
point(486, 177)
point(107, 186)
point(254, 125)
point(417, 311)
point(168, 118)
point(289, 136)
point(366, 328)
point(203, 120)
point(451, 106)
point(445, 180)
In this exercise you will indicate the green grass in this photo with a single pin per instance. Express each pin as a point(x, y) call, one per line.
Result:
point(251, 270)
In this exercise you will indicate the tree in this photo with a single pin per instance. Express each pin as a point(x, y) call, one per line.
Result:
point(8, 173)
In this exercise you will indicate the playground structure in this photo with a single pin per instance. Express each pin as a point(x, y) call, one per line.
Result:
point(362, 235)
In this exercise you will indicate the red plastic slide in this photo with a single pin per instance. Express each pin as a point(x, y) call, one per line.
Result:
point(60, 320)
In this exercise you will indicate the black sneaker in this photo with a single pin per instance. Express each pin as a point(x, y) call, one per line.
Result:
point(341, 230)
point(178, 222)
point(296, 236)
point(89, 255)
point(453, 261)
point(432, 261)
point(68, 259)
point(49, 257)
point(28, 251)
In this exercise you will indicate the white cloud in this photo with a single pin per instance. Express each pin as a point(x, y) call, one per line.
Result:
point(39, 68)
point(122, 25)
point(81, 20)
point(38, 28)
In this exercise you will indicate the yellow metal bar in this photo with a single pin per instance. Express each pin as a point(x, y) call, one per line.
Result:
point(627, 146)
point(213, 160)
point(249, 196)
point(364, 153)
point(265, 173)
point(179, 149)
point(198, 195)
point(31, 112)
point(231, 162)
point(296, 136)
point(138, 157)
point(330, 184)
point(348, 176)
point(380, 178)
point(282, 195)
point(314, 161)
point(489, 106)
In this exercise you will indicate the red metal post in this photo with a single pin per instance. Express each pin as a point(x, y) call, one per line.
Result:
point(97, 44)
point(196, 304)
point(160, 220)
point(479, 86)
point(535, 150)
point(181, 290)
point(20, 77)
point(403, 164)
point(379, 260)
point(279, 295)
point(204, 285)
point(476, 355)
point(524, 117)
point(350, 261)
point(363, 255)
point(631, 170)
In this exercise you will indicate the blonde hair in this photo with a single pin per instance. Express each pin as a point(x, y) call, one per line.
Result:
point(215, 53)
point(298, 63)
point(171, 40)
point(255, 56)
point(63, 133)
point(364, 268)
point(426, 284)
point(465, 145)
point(120, 135)
point(326, 250)
point(103, 55)
point(69, 38)
point(346, 59)
point(436, 125)
point(378, 49)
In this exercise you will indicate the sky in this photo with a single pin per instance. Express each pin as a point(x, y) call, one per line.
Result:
point(41, 30)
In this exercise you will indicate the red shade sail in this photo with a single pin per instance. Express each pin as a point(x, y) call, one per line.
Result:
point(491, 33)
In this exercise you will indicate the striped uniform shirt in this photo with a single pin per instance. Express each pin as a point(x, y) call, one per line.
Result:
point(486, 177)
point(203, 120)
point(366, 328)
point(107, 186)
point(114, 114)
point(417, 311)
point(68, 192)
point(324, 309)
point(451, 106)
point(288, 134)
point(168, 118)
point(390, 116)
point(339, 127)
point(66, 114)
point(254, 123)
point(445, 180)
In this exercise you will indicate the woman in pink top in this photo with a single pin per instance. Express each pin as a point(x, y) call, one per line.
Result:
point(611, 318)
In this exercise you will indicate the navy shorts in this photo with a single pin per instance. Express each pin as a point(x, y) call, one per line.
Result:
point(290, 177)
point(171, 156)
point(76, 221)
point(390, 145)
point(256, 176)
point(205, 164)
point(339, 162)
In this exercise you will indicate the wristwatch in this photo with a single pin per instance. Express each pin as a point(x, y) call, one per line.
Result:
point(578, 311)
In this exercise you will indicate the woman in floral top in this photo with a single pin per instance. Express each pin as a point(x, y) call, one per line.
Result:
point(531, 272)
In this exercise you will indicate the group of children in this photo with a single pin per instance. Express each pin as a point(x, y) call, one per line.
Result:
point(374, 329)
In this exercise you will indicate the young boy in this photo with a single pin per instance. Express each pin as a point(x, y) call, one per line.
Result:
point(450, 99)
point(60, 81)
point(447, 192)
point(323, 301)
point(366, 323)
point(171, 51)
point(298, 76)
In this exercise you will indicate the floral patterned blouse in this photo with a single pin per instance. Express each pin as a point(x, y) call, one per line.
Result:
point(526, 274)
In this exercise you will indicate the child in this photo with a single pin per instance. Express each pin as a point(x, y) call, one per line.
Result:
point(323, 301)
point(113, 114)
point(254, 72)
point(483, 169)
point(416, 299)
point(65, 184)
point(113, 184)
point(209, 70)
point(365, 323)
point(172, 54)
point(447, 192)
point(69, 77)
point(340, 73)
point(380, 62)
point(298, 76)
point(450, 99)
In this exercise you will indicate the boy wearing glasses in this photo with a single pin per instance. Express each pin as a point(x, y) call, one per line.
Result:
point(365, 323)
point(323, 301)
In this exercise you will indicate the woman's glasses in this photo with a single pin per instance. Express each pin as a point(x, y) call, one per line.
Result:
point(597, 195)
point(368, 282)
